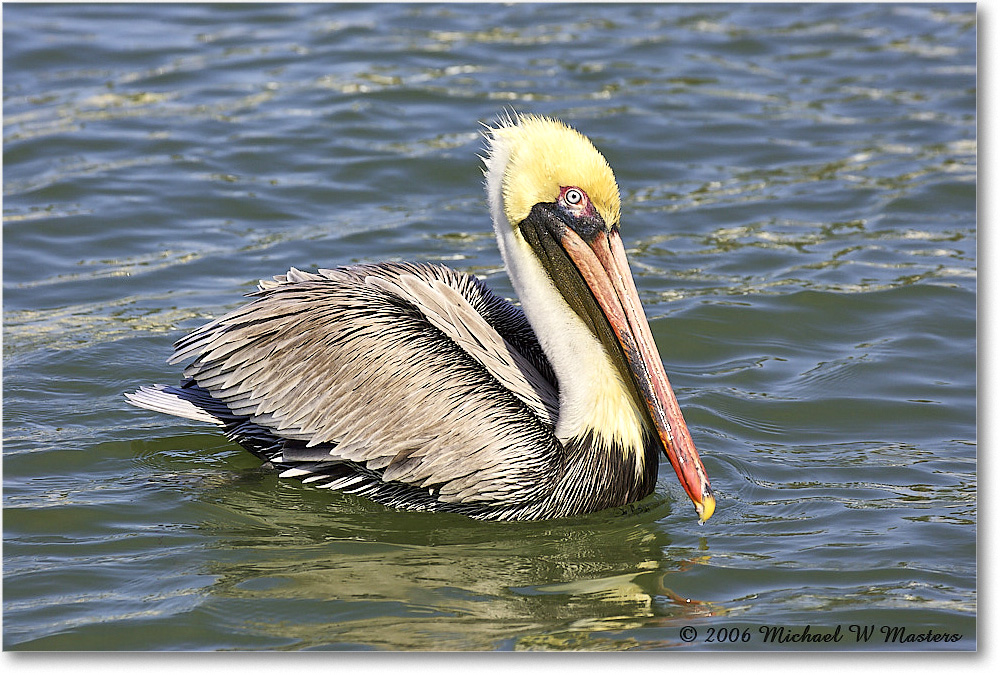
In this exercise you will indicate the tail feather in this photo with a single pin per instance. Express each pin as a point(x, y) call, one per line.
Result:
point(290, 457)
point(193, 403)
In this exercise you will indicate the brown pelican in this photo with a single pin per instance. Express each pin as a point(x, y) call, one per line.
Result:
point(416, 386)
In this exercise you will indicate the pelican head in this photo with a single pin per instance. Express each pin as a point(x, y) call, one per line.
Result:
point(556, 209)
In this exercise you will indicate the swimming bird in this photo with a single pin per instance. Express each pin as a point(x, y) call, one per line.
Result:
point(416, 386)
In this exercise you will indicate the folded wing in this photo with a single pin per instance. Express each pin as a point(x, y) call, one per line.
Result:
point(416, 375)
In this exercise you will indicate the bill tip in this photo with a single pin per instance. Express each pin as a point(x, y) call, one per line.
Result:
point(705, 509)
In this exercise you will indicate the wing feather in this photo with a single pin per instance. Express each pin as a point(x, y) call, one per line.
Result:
point(412, 370)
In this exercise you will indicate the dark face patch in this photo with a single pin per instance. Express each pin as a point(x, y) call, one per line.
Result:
point(575, 209)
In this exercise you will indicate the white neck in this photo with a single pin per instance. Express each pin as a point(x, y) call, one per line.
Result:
point(592, 396)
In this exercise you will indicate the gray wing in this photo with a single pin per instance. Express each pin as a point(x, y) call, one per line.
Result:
point(414, 371)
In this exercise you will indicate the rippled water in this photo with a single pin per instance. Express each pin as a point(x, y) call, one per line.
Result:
point(799, 188)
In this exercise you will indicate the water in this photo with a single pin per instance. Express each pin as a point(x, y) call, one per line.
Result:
point(799, 188)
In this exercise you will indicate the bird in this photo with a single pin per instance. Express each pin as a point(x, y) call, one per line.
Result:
point(417, 387)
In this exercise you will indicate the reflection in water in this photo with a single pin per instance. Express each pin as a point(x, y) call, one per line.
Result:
point(438, 582)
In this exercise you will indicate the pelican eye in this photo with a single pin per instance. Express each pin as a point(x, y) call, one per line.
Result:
point(573, 196)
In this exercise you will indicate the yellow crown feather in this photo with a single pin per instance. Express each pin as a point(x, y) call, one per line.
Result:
point(546, 155)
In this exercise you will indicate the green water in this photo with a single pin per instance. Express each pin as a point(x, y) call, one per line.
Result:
point(799, 207)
